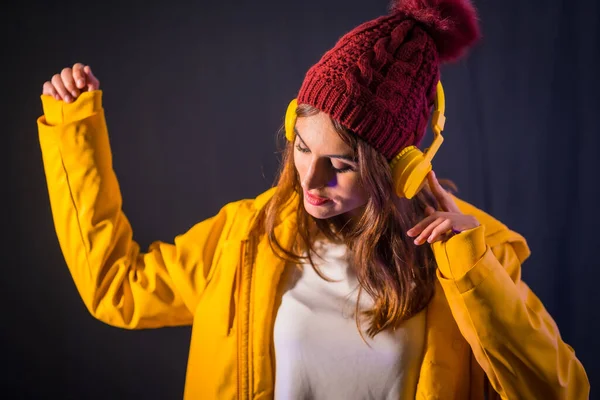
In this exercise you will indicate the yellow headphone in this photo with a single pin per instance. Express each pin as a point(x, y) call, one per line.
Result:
point(410, 167)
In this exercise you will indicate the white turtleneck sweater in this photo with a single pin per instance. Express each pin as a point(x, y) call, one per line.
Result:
point(318, 351)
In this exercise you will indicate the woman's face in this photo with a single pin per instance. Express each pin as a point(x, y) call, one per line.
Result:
point(327, 168)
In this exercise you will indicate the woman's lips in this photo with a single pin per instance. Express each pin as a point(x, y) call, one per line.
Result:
point(315, 200)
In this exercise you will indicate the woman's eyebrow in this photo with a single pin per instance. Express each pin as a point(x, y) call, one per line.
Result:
point(346, 157)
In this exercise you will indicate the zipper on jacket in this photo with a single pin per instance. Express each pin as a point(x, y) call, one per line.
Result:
point(244, 320)
point(239, 317)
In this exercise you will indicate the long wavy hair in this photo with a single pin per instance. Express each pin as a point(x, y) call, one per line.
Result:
point(397, 274)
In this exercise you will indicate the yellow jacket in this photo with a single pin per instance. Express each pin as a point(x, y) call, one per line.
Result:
point(483, 321)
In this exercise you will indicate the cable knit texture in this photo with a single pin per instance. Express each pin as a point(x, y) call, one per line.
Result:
point(379, 79)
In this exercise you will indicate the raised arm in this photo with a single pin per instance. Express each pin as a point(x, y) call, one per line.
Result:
point(118, 283)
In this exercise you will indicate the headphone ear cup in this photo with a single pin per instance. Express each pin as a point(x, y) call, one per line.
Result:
point(410, 172)
point(290, 120)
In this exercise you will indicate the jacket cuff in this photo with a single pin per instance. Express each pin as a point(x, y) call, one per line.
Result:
point(457, 256)
point(57, 112)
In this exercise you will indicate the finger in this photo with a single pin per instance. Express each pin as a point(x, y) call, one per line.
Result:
point(440, 230)
point(48, 90)
point(68, 81)
point(79, 75)
point(429, 210)
point(60, 88)
point(92, 82)
point(436, 188)
point(418, 228)
point(429, 230)
point(442, 196)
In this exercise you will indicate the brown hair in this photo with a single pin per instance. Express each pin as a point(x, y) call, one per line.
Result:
point(397, 274)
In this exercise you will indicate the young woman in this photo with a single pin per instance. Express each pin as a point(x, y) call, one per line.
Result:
point(356, 276)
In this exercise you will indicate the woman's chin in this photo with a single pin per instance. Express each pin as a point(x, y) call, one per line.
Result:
point(319, 212)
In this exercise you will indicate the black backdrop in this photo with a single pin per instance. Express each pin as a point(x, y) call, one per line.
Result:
point(194, 95)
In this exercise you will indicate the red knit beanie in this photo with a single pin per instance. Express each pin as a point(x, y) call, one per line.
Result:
point(379, 81)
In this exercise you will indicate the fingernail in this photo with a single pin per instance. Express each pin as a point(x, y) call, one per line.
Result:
point(67, 98)
point(80, 82)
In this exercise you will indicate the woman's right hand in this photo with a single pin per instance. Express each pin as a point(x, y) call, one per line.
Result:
point(71, 82)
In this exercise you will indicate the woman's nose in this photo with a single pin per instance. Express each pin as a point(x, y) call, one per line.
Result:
point(317, 176)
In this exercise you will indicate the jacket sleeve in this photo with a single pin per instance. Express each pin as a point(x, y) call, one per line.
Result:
point(512, 336)
point(119, 284)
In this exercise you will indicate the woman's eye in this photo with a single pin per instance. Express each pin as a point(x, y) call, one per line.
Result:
point(347, 168)
point(344, 168)
point(301, 149)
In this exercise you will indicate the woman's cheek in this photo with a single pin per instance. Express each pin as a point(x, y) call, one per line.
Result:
point(349, 185)
point(358, 193)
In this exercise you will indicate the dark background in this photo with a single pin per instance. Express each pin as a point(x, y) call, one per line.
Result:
point(194, 96)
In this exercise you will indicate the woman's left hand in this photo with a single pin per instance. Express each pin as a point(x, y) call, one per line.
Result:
point(440, 225)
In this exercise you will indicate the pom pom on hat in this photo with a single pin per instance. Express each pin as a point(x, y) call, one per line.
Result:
point(452, 24)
